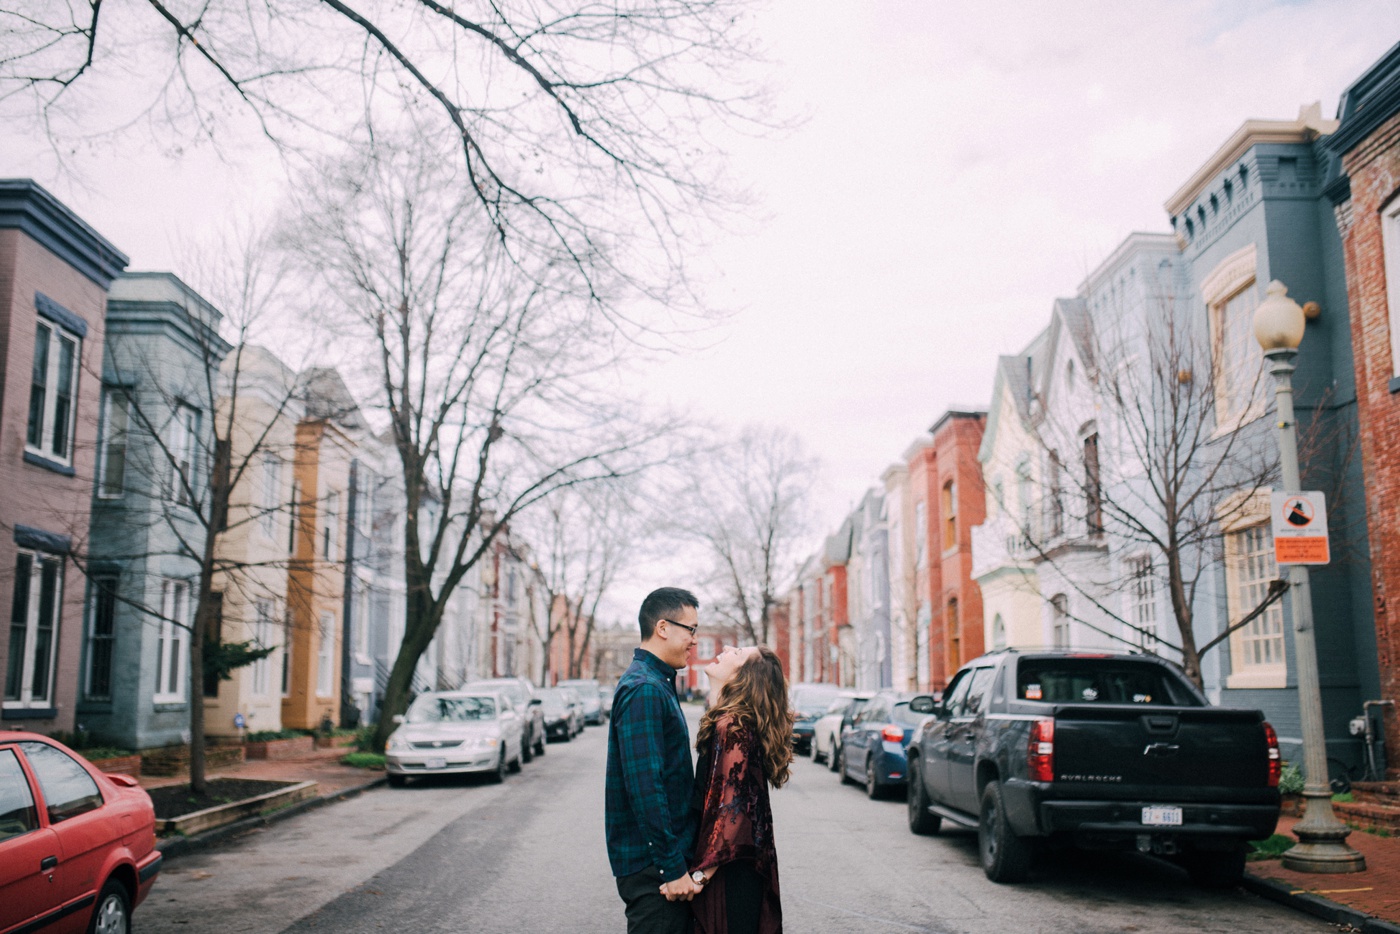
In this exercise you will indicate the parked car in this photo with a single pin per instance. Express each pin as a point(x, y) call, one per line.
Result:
point(563, 713)
point(589, 691)
point(77, 846)
point(827, 731)
point(455, 732)
point(1103, 750)
point(872, 751)
point(606, 695)
point(809, 703)
point(522, 695)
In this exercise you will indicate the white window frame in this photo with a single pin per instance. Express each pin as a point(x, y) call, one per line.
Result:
point(1234, 278)
point(1060, 622)
point(22, 695)
point(116, 424)
point(1249, 567)
point(948, 500)
point(172, 655)
point(921, 531)
point(183, 453)
point(325, 656)
point(1141, 597)
point(103, 588)
point(360, 624)
point(1390, 247)
point(262, 638)
point(271, 506)
point(54, 335)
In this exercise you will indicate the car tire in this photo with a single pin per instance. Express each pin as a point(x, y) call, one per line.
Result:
point(1215, 869)
point(831, 759)
point(816, 750)
point(1005, 857)
point(499, 774)
point(527, 752)
point(514, 764)
point(397, 781)
point(873, 790)
point(539, 743)
point(921, 821)
point(113, 912)
point(841, 767)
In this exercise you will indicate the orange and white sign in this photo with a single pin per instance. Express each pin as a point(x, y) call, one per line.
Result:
point(1300, 528)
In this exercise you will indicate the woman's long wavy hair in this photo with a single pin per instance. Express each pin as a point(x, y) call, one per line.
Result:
point(756, 698)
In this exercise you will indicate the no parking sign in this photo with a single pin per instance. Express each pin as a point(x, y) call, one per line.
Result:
point(1300, 528)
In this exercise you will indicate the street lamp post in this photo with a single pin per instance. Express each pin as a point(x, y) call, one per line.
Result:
point(1322, 847)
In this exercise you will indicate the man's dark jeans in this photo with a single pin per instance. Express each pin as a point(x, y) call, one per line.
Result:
point(648, 912)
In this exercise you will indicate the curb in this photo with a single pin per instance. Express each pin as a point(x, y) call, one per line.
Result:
point(1320, 907)
point(173, 847)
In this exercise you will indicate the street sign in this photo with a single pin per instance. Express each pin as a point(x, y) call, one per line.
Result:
point(1300, 528)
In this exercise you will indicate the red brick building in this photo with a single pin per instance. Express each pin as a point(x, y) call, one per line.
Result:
point(55, 271)
point(1367, 201)
point(945, 486)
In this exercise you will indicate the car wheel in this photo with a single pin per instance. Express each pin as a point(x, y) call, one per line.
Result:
point(397, 781)
point(527, 752)
point(841, 768)
point(515, 762)
point(499, 775)
point(113, 912)
point(1215, 870)
point(1005, 856)
point(920, 820)
point(873, 791)
point(539, 743)
point(831, 759)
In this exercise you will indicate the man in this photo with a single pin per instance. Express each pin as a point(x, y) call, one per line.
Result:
point(650, 773)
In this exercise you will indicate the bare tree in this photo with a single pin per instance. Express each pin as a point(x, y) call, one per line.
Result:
point(751, 511)
point(497, 383)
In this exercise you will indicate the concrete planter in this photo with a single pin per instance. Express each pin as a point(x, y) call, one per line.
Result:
point(122, 765)
point(228, 813)
point(281, 748)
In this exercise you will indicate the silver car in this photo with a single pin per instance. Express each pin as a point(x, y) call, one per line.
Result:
point(454, 732)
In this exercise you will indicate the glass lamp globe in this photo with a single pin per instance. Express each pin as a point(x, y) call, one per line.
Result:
point(1279, 320)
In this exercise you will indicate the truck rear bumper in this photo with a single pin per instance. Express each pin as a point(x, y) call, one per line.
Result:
point(1100, 818)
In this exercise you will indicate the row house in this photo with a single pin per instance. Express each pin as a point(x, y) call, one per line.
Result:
point(55, 272)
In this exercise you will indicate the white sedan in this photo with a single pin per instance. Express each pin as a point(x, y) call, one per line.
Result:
point(826, 734)
point(453, 732)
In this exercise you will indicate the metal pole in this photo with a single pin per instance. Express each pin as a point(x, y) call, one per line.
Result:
point(1322, 845)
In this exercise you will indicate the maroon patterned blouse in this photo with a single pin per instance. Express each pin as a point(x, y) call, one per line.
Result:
point(735, 823)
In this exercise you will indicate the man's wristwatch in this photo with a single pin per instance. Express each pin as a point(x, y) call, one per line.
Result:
point(697, 877)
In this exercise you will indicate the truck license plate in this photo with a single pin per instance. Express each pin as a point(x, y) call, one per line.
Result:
point(1161, 817)
point(442, 764)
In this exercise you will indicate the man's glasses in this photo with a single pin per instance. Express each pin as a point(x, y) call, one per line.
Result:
point(689, 629)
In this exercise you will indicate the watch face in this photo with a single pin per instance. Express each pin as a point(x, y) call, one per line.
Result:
point(697, 877)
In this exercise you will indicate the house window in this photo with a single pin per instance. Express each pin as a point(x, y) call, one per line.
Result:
point(52, 391)
point(954, 626)
point(920, 534)
point(111, 466)
point(1237, 362)
point(325, 656)
point(271, 494)
point(1059, 621)
point(262, 638)
point(170, 644)
point(364, 504)
point(1142, 601)
point(1257, 650)
point(998, 632)
point(102, 638)
point(330, 528)
point(361, 625)
point(182, 450)
point(287, 656)
point(1390, 241)
point(1093, 486)
point(1055, 517)
point(706, 648)
point(34, 630)
point(950, 515)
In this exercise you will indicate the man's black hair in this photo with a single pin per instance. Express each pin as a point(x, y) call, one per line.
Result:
point(662, 603)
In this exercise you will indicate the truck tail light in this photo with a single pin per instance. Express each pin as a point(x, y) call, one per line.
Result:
point(892, 734)
point(1040, 755)
point(1275, 760)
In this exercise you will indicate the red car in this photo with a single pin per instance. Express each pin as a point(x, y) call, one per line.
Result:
point(77, 846)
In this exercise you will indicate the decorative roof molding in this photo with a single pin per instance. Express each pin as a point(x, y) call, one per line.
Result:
point(1371, 100)
point(1308, 126)
point(960, 412)
point(26, 206)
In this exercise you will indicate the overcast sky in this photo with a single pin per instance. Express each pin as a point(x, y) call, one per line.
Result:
point(959, 166)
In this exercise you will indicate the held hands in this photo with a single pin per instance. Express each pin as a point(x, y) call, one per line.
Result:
point(682, 889)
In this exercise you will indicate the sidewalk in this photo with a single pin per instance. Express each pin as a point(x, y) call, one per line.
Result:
point(1351, 898)
point(321, 766)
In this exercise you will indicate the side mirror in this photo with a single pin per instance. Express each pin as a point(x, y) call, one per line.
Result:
point(535, 702)
point(924, 703)
point(398, 718)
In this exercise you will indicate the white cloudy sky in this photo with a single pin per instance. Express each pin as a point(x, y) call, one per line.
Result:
point(959, 166)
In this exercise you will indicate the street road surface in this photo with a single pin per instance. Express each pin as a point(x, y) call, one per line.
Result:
point(460, 855)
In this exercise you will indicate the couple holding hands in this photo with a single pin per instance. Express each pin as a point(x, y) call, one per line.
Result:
point(692, 846)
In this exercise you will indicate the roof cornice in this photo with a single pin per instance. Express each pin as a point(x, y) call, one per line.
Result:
point(25, 205)
point(1308, 126)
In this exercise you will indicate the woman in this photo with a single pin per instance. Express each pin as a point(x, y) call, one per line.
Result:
point(745, 744)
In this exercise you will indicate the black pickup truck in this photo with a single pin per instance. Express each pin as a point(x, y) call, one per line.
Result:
point(1104, 751)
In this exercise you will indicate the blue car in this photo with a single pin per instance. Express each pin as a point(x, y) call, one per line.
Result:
point(873, 748)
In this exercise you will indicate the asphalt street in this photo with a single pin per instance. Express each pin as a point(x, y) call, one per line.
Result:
point(461, 855)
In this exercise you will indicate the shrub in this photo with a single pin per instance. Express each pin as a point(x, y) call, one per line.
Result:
point(364, 739)
point(1271, 848)
point(264, 736)
point(93, 753)
point(1290, 780)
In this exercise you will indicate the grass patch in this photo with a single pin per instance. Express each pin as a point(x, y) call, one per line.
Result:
point(363, 760)
point(1345, 797)
point(1271, 848)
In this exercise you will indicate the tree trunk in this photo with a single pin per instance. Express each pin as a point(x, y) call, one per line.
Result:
point(1185, 624)
point(420, 626)
point(219, 479)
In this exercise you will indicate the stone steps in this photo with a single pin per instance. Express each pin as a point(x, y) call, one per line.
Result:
point(1376, 806)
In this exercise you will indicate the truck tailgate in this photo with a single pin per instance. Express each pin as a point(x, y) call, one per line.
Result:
point(1199, 751)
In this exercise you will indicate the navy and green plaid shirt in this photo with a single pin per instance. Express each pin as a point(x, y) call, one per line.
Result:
point(650, 773)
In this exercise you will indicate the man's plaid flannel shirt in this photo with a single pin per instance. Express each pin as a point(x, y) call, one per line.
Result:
point(650, 773)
